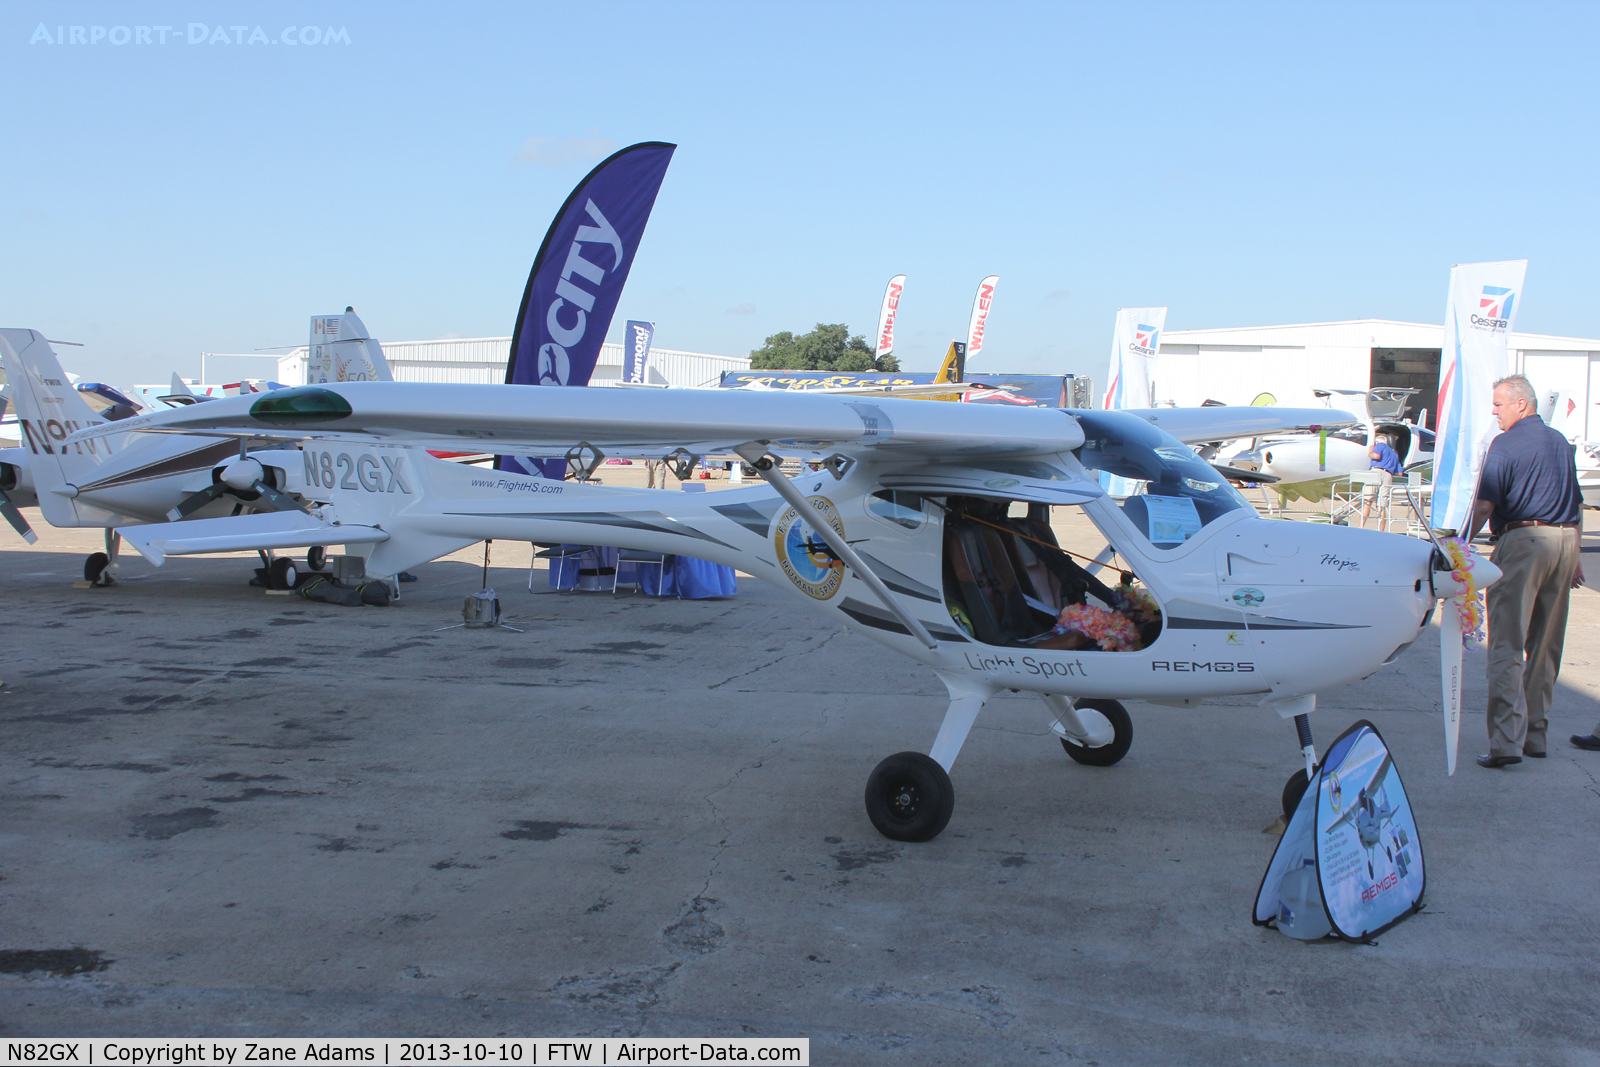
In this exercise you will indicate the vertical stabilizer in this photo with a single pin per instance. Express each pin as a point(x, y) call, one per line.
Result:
point(341, 351)
point(48, 409)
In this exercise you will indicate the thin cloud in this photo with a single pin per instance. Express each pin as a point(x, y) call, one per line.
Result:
point(557, 152)
point(743, 309)
point(1057, 294)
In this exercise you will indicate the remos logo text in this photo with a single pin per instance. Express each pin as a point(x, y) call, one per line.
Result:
point(568, 316)
point(1494, 308)
point(1146, 339)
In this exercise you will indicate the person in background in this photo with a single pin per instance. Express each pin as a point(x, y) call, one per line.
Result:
point(1529, 495)
point(1384, 458)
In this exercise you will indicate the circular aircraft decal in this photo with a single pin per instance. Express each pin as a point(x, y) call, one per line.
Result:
point(804, 557)
point(1249, 598)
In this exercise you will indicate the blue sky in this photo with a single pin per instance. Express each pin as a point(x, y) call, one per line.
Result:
point(1242, 164)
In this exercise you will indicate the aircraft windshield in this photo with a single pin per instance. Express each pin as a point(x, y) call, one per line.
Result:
point(1175, 494)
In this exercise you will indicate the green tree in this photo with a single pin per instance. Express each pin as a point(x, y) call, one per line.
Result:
point(829, 347)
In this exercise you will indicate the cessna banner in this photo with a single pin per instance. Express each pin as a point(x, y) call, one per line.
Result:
point(925, 530)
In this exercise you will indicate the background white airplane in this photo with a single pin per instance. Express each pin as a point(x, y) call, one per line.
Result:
point(926, 530)
point(127, 478)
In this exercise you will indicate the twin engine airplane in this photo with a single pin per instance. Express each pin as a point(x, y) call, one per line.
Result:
point(926, 530)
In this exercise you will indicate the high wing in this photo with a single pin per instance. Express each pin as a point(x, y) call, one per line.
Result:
point(544, 421)
point(1195, 426)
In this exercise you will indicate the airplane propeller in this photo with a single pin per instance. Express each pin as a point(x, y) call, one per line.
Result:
point(1455, 575)
point(243, 475)
point(14, 517)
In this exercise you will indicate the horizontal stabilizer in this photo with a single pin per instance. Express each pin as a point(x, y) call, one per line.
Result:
point(243, 533)
point(1195, 426)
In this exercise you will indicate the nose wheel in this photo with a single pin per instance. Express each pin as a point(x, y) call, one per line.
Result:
point(909, 797)
point(1097, 714)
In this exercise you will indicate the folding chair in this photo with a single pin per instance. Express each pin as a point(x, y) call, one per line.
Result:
point(640, 558)
point(560, 554)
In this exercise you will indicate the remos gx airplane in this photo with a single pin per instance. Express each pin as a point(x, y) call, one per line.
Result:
point(926, 530)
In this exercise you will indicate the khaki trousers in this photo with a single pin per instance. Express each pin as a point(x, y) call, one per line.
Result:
point(1527, 629)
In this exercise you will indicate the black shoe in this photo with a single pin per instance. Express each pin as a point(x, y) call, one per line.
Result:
point(1588, 741)
point(1492, 762)
point(1534, 755)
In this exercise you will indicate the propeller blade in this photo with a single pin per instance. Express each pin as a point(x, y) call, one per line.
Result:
point(274, 499)
point(14, 517)
point(197, 501)
point(1450, 676)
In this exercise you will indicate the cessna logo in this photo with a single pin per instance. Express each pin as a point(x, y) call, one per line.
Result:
point(1146, 339)
point(1494, 308)
point(568, 316)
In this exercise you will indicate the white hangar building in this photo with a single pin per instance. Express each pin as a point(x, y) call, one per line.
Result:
point(482, 360)
point(1236, 365)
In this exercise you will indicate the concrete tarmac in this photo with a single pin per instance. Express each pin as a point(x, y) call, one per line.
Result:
point(233, 814)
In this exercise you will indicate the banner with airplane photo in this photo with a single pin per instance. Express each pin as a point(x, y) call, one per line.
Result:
point(1349, 864)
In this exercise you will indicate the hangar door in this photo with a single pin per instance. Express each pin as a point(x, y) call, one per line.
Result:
point(1409, 368)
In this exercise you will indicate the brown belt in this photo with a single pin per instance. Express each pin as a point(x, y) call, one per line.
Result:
point(1536, 522)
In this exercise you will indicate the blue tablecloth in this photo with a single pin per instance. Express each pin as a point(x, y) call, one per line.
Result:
point(683, 576)
point(687, 577)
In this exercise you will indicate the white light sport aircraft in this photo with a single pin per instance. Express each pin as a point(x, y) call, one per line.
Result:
point(124, 478)
point(905, 536)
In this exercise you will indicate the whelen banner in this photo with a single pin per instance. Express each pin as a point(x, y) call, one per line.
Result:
point(578, 275)
point(1134, 345)
point(636, 338)
point(981, 305)
point(886, 316)
point(1478, 317)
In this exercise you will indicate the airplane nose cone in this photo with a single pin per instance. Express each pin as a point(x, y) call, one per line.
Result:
point(1485, 573)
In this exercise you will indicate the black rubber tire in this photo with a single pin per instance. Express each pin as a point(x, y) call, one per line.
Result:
point(1293, 790)
point(1121, 740)
point(316, 557)
point(94, 566)
point(282, 574)
point(909, 797)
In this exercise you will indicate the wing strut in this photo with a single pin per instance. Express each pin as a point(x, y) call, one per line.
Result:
point(756, 455)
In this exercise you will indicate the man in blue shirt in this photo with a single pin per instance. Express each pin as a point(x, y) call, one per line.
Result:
point(1529, 494)
point(1384, 458)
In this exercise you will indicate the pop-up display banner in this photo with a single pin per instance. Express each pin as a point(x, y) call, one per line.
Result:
point(1350, 862)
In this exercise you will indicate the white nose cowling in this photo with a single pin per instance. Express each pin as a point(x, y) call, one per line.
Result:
point(242, 473)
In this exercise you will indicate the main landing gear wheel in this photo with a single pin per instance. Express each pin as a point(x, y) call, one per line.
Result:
point(282, 574)
point(95, 566)
point(316, 557)
point(909, 797)
point(1293, 790)
point(1122, 732)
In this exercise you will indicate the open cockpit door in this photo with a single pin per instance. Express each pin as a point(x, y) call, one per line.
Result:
point(1038, 481)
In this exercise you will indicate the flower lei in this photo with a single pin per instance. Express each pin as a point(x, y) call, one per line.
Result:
point(1462, 560)
point(1136, 603)
point(1112, 631)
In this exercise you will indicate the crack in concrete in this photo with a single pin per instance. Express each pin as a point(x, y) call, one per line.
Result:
point(821, 645)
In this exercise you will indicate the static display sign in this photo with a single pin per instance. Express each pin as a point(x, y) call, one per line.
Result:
point(1350, 862)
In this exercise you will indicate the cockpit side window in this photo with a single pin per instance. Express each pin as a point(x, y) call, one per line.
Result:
point(1171, 492)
